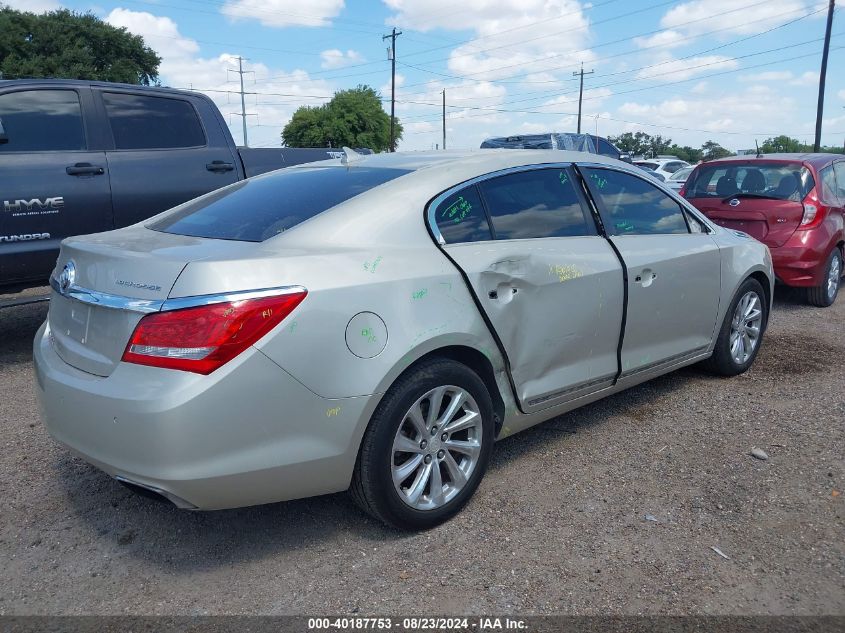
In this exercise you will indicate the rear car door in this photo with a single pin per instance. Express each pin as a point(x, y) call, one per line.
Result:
point(52, 184)
point(549, 286)
point(162, 153)
point(673, 270)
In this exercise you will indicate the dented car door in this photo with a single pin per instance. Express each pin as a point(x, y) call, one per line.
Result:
point(550, 287)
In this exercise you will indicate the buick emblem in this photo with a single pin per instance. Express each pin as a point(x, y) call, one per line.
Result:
point(734, 202)
point(67, 276)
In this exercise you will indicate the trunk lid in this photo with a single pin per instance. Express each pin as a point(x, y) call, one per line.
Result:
point(118, 277)
point(770, 221)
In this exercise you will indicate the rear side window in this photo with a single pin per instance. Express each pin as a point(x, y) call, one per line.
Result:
point(42, 121)
point(142, 122)
point(839, 169)
point(633, 206)
point(257, 209)
point(828, 188)
point(533, 204)
point(461, 217)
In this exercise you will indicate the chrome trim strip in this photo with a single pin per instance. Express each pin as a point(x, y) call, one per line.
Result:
point(661, 364)
point(105, 300)
point(180, 303)
point(573, 391)
point(146, 306)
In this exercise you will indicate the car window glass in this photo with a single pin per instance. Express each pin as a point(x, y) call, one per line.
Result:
point(634, 206)
point(671, 168)
point(461, 217)
point(256, 209)
point(142, 122)
point(782, 181)
point(42, 120)
point(839, 170)
point(828, 188)
point(651, 166)
point(606, 148)
point(534, 204)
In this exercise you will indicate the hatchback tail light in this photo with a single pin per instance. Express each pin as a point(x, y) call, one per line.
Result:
point(814, 211)
point(683, 190)
point(200, 339)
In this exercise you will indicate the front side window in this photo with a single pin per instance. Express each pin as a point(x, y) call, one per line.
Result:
point(461, 217)
point(256, 209)
point(42, 121)
point(633, 206)
point(535, 204)
point(142, 122)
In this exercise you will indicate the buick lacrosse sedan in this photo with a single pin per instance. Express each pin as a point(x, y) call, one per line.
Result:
point(375, 323)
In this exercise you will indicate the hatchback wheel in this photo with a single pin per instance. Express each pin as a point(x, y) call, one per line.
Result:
point(825, 293)
point(427, 446)
point(742, 331)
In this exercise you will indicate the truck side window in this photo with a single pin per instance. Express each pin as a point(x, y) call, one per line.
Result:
point(42, 121)
point(142, 122)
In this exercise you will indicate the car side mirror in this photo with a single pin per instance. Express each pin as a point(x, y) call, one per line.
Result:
point(626, 158)
point(3, 137)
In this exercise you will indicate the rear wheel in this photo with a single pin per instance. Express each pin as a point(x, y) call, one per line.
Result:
point(741, 332)
point(825, 293)
point(426, 448)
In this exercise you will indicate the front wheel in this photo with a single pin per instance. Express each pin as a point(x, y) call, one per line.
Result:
point(742, 331)
point(426, 448)
point(825, 293)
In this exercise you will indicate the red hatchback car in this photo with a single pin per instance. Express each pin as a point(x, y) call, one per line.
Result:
point(793, 203)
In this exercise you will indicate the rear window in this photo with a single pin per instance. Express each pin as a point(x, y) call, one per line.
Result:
point(784, 181)
point(257, 209)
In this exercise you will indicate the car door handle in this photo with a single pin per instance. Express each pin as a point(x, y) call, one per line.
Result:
point(219, 165)
point(494, 294)
point(645, 278)
point(84, 169)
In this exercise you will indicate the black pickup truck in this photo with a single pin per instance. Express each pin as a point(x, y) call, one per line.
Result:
point(81, 157)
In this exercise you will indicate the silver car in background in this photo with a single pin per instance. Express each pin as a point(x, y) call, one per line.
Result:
point(375, 323)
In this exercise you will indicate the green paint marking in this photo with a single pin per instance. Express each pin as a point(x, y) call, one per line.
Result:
point(563, 178)
point(292, 327)
point(372, 267)
point(624, 226)
point(419, 294)
point(458, 210)
point(601, 183)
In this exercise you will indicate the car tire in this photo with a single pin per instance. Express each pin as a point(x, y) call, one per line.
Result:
point(825, 293)
point(748, 310)
point(402, 460)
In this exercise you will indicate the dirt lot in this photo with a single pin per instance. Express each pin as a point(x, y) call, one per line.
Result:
point(558, 525)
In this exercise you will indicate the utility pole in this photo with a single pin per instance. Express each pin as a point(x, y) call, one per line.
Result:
point(444, 118)
point(581, 91)
point(242, 113)
point(393, 35)
point(822, 76)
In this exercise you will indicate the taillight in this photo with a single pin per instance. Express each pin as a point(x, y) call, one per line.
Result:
point(201, 339)
point(683, 190)
point(813, 211)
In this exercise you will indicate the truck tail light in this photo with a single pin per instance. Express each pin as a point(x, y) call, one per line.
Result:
point(201, 339)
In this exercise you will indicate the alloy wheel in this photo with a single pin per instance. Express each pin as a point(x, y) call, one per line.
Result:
point(833, 275)
point(436, 448)
point(745, 327)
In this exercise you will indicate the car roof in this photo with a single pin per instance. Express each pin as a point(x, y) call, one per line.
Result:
point(817, 160)
point(85, 83)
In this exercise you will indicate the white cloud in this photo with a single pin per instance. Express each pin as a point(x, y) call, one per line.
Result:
point(809, 78)
point(181, 67)
point(679, 69)
point(841, 94)
point(663, 39)
point(771, 75)
point(336, 58)
point(282, 13)
point(704, 16)
point(33, 6)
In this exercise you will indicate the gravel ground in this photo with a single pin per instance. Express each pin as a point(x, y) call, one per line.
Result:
point(557, 526)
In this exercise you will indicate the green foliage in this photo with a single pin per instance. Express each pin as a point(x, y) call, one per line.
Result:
point(687, 153)
point(353, 118)
point(712, 151)
point(68, 45)
point(783, 143)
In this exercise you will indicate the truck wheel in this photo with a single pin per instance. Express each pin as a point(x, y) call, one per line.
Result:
point(741, 332)
point(825, 293)
point(426, 448)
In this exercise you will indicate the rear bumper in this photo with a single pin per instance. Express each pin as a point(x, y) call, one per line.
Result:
point(802, 259)
point(247, 434)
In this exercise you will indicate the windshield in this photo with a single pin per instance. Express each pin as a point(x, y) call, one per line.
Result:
point(257, 209)
point(781, 181)
point(681, 174)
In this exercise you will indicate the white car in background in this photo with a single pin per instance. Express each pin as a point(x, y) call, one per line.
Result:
point(665, 166)
point(677, 180)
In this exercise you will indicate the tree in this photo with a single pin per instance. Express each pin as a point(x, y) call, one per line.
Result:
point(783, 143)
point(687, 153)
point(712, 151)
point(71, 45)
point(353, 118)
point(641, 144)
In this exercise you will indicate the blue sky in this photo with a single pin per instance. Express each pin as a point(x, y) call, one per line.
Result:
point(728, 70)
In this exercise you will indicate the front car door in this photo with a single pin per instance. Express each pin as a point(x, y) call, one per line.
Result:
point(549, 286)
point(53, 184)
point(673, 271)
point(162, 153)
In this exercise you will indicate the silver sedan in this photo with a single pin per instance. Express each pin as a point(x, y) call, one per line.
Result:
point(375, 323)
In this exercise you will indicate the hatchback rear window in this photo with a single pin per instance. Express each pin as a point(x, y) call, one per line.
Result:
point(257, 209)
point(780, 181)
